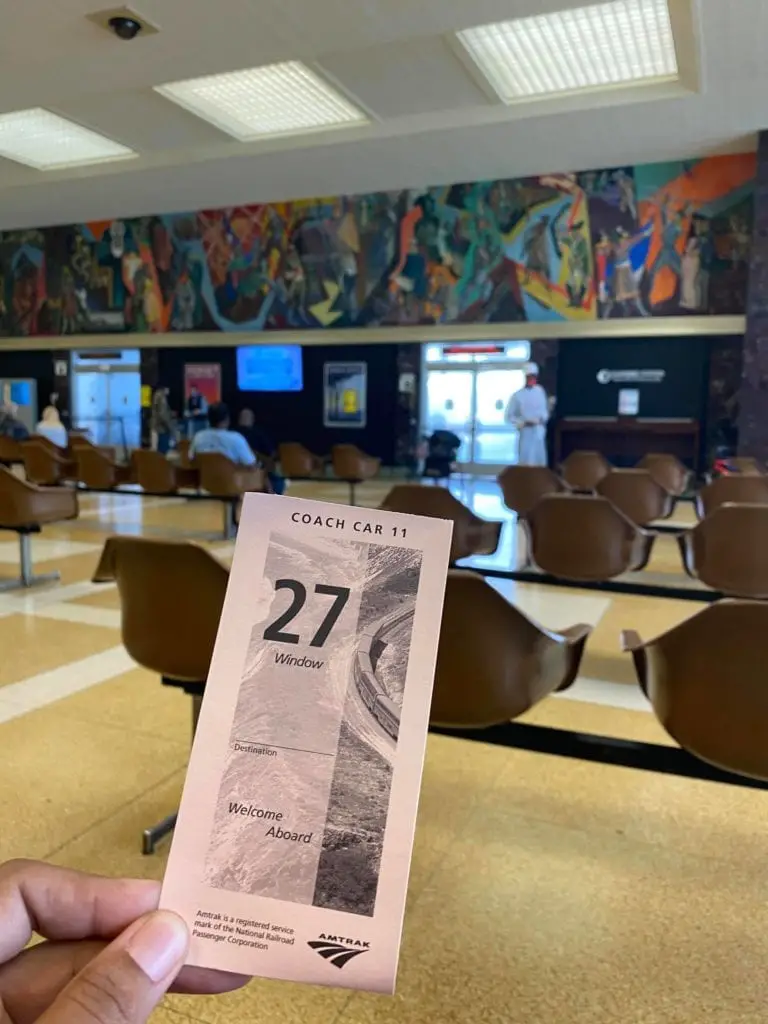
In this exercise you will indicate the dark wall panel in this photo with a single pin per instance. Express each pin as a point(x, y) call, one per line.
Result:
point(298, 416)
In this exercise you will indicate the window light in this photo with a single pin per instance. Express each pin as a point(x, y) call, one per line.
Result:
point(278, 99)
point(48, 142)
point(606, 44)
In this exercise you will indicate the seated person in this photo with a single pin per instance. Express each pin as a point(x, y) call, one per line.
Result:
point(261, 443)
point(219, 439)
point(10, 425)
point(51, 427)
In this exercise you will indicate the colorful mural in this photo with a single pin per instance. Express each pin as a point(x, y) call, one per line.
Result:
point(652, 240)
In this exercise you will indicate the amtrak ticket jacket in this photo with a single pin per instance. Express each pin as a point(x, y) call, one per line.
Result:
point(293, 844)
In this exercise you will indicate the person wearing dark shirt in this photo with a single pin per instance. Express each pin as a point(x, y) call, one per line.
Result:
point(262, 444)
point(195, 412)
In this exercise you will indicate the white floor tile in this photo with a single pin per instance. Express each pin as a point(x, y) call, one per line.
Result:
point(44, 550)
point(610, 695)
point(550, 608)
point(89, 615)
point(47, 687)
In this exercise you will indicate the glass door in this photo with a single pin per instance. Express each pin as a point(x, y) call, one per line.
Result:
point(450, 406)
point(472, 402)
point(495, 440)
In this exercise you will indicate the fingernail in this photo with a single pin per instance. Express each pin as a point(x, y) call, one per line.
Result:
point(159, 945)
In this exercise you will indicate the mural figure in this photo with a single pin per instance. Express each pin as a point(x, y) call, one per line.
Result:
point(649, 240)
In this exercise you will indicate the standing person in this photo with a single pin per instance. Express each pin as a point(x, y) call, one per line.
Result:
point(51, 427)
point(161, 421)
point(195, 411)
point(528, 409)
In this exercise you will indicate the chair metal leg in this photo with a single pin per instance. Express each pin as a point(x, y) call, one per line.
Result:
point(153, 835)
point(27, 576)
point(352, 484)
point(230, 526)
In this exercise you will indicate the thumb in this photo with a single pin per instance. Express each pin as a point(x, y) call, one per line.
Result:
point(124, 983)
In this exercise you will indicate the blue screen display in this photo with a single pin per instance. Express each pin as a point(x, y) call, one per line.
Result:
point(269, 368)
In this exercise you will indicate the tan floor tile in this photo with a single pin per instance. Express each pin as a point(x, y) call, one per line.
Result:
point(699, 819)
point(113, 847)
point(59, 776)
point(603, 657)
point(528, 922)
point(29, 645)
point(135, 702)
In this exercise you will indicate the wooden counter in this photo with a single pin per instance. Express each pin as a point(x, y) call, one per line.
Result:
point(625, 440)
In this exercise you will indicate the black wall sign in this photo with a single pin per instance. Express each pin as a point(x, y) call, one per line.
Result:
point(669, 373)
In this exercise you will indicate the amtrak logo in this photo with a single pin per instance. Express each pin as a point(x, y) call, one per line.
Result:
point(338, 950)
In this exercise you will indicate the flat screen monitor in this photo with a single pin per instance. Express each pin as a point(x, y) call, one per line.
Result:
point(269, 368)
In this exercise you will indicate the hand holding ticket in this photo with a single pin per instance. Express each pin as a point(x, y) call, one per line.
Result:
point(292, 850)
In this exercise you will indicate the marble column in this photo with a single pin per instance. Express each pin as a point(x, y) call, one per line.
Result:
point(753, 393)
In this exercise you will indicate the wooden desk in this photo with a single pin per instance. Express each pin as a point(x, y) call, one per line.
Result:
point(625, 440)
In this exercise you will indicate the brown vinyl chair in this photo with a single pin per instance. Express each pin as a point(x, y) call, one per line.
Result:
point(224, 478)
point(78, 441)
point(228, 481)
point(46, 464)
point(523, 486)
point(155, 473)
point(98, 471)
point(637, 495)
point(668, 471)
point(182, 450)
point(706, 681)
point(729, 550)
point(171, 596)
point(749, 490)
point(494, 663)
point(583, 470)
point(10, 451)
point(298, 462)
point(585, 538)
point(471, 535)
point(350, 463)
point(24, 509)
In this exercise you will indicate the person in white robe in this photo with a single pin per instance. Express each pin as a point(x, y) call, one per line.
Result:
point(528, 410)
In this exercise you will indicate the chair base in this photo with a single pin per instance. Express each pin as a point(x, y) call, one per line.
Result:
point(641, 756)
point(27, 577)
point(153, 835)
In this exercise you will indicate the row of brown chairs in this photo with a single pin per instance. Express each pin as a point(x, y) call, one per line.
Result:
point(585, 538)
point(494, 663)
point(583, 471)
point(348, 462)
point(635, 492)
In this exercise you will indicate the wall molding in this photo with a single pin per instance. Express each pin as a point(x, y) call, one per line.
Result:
point(651, 327)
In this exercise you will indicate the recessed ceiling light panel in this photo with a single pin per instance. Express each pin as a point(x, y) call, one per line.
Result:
point(621, 42)
point(48, 142)
point(278, 99)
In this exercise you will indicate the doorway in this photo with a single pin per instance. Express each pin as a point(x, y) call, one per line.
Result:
point(467, 389)
point(106, 397)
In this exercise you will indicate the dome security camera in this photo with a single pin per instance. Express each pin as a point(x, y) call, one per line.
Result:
point(125, 28)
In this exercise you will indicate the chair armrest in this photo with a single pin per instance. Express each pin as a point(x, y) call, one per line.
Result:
point(631, 641)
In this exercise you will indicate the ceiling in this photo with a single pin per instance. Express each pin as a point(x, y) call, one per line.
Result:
point(431, 123)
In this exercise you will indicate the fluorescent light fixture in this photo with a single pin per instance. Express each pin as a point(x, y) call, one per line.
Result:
point(622, 42)
point(48, 142)
point(277, 99)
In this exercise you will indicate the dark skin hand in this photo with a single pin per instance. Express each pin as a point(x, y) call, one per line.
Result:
point(110, 955)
